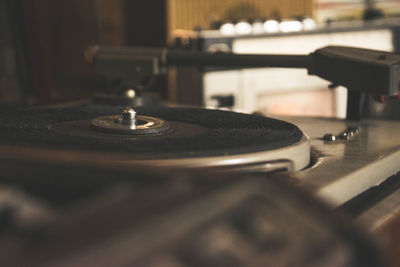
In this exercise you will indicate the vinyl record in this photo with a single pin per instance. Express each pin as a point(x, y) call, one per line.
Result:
point(176, 136)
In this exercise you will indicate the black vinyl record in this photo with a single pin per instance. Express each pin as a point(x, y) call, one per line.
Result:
point(193, 132)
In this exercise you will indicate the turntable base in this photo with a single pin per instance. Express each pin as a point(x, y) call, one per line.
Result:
point(344, 169)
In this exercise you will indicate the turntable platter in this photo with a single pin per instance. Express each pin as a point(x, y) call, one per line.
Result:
point(188, 136)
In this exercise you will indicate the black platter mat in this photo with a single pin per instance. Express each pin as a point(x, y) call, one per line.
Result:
point(194, 132)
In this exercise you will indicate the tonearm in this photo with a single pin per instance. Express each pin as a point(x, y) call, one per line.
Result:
point(361, 71)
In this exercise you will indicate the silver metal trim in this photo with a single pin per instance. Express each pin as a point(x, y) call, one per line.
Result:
point(298, 154)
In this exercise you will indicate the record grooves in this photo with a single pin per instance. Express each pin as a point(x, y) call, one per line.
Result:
point(194, 132)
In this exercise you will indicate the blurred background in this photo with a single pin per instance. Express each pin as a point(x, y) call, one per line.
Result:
point(42, 45)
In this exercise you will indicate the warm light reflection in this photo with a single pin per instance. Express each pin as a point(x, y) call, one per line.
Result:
point(309, 24)
point(227, 29)
point(131, 93)
point(271, 26)
point(291, 26)
point(243, 27)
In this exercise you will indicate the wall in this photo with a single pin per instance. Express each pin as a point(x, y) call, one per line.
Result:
point(186, 14)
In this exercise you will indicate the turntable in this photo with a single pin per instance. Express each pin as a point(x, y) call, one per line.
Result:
point(163, 136)
point(336, 159)
point(343, 159)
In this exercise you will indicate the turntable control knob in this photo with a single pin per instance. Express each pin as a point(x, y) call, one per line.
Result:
point(128, 116)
